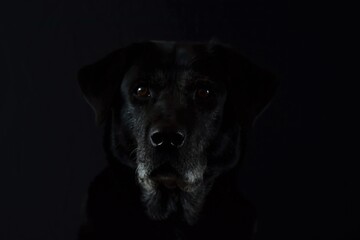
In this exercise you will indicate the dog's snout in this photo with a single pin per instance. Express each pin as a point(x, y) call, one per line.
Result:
point(159, 137)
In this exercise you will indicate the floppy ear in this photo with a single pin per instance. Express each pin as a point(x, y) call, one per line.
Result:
point(250, 87)
point(100, 81)
point(256, 87)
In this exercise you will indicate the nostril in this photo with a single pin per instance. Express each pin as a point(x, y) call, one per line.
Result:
point(166, 138)
point(177, 139)
point(156, 138)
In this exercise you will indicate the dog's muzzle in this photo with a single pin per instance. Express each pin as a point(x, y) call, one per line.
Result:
point(167, 178)
point(170, 181)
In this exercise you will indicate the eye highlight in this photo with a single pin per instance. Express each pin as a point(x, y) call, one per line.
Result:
point(142, 92)
point(203, 93)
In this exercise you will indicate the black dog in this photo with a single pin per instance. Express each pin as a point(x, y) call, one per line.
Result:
point(175, 116)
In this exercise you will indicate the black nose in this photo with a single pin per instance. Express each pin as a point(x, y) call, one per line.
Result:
point(173, 138)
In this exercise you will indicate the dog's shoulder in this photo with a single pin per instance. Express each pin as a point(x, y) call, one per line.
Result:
point(114, 210)
point(113, 188)
point(227, 213)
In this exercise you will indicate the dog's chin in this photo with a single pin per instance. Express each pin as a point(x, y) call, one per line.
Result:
point(167, 196)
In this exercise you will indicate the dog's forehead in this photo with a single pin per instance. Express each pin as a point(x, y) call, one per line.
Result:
point(167, 61)
point(171, 54)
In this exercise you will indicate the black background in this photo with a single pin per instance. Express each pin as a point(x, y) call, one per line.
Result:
point(51, 149)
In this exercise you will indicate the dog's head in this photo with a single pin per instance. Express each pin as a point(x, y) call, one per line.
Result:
point(175, 113)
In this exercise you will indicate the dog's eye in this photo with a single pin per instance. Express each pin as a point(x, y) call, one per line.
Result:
point(142, 92)
point(203, 93)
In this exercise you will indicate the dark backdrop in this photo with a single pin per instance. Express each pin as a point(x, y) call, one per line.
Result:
point(51, 149)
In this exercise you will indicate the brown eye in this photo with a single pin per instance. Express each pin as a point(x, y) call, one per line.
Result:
point(142, 92)
point(203, 93)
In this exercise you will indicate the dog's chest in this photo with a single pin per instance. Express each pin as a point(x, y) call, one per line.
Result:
point(115, 211)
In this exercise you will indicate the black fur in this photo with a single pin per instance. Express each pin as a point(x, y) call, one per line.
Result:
point(207, 95)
